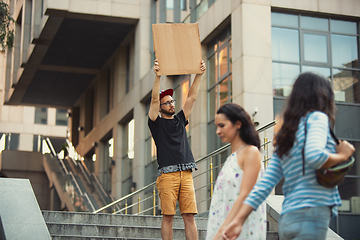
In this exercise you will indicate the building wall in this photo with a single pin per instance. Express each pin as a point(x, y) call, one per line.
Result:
point(130, 76)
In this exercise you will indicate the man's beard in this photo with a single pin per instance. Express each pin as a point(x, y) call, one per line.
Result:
point(167, 112)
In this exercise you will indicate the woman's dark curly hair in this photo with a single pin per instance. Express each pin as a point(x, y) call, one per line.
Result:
point(233, 112)
point(310, 92)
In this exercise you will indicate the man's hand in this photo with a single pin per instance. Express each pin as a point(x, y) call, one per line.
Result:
point(156, 67)
point(203, 66)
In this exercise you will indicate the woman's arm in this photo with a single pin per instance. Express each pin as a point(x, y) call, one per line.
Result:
point(316, 140)
point(344, 151)
point(251, 167)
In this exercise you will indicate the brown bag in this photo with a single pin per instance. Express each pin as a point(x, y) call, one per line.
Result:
point(333, 176)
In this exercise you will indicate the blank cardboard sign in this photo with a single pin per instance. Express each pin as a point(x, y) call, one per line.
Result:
point(177, 48)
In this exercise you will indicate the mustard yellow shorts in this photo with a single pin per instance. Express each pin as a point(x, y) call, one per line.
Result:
point(176, 186)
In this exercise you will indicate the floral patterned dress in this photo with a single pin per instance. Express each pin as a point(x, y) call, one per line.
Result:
point(226, 191)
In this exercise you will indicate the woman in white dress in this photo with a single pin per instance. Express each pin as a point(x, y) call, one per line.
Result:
point(239, 174)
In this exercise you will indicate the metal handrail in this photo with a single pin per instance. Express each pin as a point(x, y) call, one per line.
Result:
point(125, 197)
point(213, 153)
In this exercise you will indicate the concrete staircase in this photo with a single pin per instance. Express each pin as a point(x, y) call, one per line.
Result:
point(89, 226)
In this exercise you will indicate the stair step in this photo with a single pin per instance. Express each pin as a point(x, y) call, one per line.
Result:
point(89, 226)
point(114, 219)
point(63, 237)
point(98, 230)
point(272, 236)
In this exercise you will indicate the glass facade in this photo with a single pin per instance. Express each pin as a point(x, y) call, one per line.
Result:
point(170, 4)
point(329, 47)
point(219, 82)
point(326, 46)
point(61, 117)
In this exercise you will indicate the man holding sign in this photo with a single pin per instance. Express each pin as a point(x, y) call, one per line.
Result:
point(174, 157)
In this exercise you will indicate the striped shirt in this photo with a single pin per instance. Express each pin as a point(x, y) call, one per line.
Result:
point(301, 190)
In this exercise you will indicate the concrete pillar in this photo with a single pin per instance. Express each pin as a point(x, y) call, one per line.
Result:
point(51, 115)
point(252, 63)
point(118, 147)
point(142, 44)
point(139, 146)
point(16, 54)
point(36, 18)
point(251, 58)
point(26, 30)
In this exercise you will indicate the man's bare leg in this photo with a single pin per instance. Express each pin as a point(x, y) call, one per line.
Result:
point(191, 232)
point(167, 227)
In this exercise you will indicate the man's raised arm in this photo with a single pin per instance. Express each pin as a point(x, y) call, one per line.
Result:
point(155, 98)
point(193, 92)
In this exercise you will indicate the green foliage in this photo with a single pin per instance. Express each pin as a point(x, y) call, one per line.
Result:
point(6, 35)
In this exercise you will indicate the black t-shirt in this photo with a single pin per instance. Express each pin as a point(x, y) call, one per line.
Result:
point(171, 142)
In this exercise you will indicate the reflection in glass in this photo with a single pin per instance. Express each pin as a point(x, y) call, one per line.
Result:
point(284, 20)
point(223, 38)
point(325, 72)
point(315, 48)
point(224, 92)
point(61, 117)
point(212, 137)
point(285, 45)
point(212, 102)
point(347, 125)
point(170, 4)
point(312, 23)
point(223, 61)
point(202, 8)
point(344, 51)
point(346, 86)
point(355, 170)
point(284, 75)
point(230, 59)
point(231, 94)
point(349, 188)
point(40, 115)
point(343, 27)
point(212, 71)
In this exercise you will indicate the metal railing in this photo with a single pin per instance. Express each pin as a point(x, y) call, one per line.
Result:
point(203, 192)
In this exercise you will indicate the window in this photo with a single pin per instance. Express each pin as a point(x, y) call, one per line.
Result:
point(40, 115)
point(107, 164)
point(127, 156)
point(326, 46)
point(61, 117)
point(329, 47)
point(170, 4)
point(12, 141)
point(37, 143)
point(219, 82)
